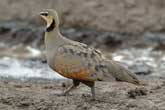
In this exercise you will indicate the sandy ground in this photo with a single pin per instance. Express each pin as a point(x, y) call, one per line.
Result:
point(39, 94)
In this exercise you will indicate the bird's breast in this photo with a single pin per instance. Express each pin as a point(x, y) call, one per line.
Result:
point(68, 72)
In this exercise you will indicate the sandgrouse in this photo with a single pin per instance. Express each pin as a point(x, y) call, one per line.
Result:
point(78, 61)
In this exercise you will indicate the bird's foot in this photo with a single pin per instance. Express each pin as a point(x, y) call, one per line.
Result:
point(93, 99)
point(89, 97)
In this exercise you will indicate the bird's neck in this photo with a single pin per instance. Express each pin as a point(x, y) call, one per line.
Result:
point(53, 40)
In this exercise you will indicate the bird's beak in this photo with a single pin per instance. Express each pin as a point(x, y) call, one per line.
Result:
point(46, 17)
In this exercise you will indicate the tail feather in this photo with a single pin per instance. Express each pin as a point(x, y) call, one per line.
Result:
point(121, 73)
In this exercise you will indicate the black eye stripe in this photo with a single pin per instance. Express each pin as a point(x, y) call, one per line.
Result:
point(44, 14)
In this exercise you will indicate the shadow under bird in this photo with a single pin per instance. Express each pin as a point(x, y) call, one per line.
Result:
point(78, 61)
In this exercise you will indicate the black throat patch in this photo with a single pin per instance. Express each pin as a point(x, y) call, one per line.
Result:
point(51, 27)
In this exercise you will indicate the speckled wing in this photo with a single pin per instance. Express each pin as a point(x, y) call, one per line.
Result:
point(121, 73)
point(81, 62)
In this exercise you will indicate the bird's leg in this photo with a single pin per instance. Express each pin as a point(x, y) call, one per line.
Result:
point(91, 84)
point(73, 86)
point(93, 92)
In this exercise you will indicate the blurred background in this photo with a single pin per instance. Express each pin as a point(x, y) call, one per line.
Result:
point(129, 31)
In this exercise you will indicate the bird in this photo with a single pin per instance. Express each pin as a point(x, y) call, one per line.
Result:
point(78, 61)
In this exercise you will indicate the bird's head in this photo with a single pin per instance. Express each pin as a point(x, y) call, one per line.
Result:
point(51, 18)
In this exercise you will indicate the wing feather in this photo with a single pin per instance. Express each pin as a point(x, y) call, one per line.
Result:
point(81, 62)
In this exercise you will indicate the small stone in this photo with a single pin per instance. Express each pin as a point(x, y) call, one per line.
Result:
point(137, 92)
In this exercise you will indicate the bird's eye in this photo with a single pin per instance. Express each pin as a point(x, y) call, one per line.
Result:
point(44, 14)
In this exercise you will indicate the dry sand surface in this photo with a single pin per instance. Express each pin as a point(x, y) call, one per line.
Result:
point(44, 95)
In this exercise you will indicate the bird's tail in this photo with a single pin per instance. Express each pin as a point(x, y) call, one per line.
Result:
point(121, 73)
